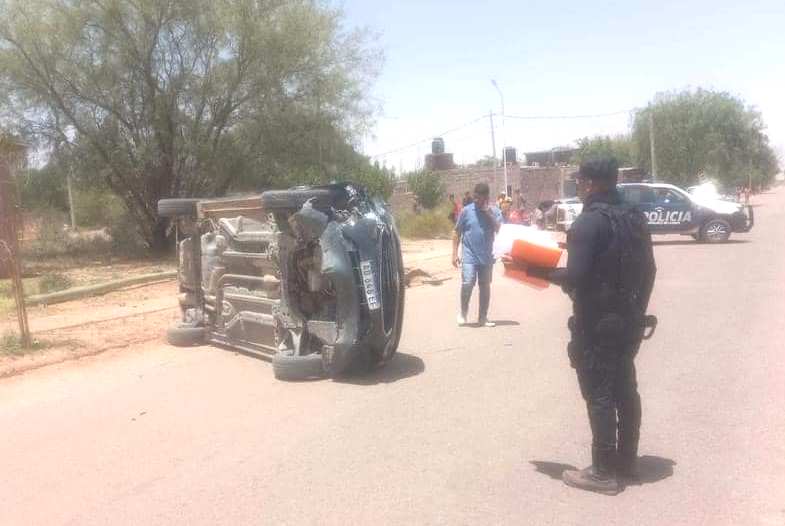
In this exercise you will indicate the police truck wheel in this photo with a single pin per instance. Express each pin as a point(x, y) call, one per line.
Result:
point(715, 231)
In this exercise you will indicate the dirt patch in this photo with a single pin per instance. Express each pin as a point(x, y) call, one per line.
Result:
point(88, 339)
point(77, 274)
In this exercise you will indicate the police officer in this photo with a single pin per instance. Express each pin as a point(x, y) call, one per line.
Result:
point(609, 277)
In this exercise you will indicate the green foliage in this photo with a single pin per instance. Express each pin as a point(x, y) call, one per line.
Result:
point(11, 345)
point(97, 207)
point(621, 147)
point(429, 224)
point(176, 98)
point(53, 283)
point(126, 239)
point(378, 181)
point(705, 131)
point(427, 186)
point(43, 188)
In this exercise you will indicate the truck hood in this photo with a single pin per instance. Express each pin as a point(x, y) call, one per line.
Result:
point(720, 206)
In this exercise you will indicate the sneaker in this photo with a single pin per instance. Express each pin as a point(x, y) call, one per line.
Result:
point(487, 323)
point(461, 320)
point(587, 479)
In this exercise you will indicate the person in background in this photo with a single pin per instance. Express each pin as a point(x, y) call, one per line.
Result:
point(520, 202)
point(455, 210)
point(475, 230)
point(506, 208)
point(539, 217)
point(467, 199)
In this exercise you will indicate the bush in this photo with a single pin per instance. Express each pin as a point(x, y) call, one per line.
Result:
point(96, 208)
point(428, 188)
point(43, 189)
point(54, 283)
point(10, 344)
point(120, 237)
point(430, 224)
point(126, 239)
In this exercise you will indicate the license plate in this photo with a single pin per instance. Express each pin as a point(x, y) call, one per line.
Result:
point(369, 285)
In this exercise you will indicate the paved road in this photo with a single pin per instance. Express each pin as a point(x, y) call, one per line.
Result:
point(466, 426)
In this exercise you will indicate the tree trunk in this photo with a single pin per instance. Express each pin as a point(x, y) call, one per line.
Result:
point(161, 241)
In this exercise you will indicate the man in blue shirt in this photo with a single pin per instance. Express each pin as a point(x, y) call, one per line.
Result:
point(475, 229)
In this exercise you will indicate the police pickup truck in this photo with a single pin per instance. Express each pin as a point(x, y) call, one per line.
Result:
point(671, 210)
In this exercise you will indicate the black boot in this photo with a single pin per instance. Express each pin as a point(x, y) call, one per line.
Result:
point(599, 477)
point(627, 466)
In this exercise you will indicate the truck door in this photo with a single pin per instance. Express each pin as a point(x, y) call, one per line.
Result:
point(644, 200)
point(673, 210)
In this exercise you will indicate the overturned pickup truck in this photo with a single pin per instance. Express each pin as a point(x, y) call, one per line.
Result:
point(311, 278)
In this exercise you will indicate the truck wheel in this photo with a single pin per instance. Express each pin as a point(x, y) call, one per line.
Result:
point(177, 207)
point(184, 336)
point(291, 367)
point(324, 198)
point(715, 231)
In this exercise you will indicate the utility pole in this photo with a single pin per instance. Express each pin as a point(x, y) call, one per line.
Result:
point(71, 210)
point(493, 145)
point(319, 122)
point(504, 146)
point(651, 146)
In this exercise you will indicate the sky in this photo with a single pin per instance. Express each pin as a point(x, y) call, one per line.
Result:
point(557, 58)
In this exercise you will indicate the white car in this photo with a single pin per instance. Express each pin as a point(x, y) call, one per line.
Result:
point(563, 213)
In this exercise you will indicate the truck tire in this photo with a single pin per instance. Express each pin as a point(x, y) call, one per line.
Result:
point(324, 198)
point(184, 336)
point(293, 368)
point(177, 207)
point(715, 231)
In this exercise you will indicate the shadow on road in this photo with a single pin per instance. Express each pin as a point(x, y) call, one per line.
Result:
point(677, 242)
point(499, 323)
point(400, 367)
point(654, 469)
point(552, 469)
point(651, 469)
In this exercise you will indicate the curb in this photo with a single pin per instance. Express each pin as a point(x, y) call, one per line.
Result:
point(96, 290)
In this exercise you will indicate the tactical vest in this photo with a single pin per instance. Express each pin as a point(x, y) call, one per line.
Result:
point(620, 270)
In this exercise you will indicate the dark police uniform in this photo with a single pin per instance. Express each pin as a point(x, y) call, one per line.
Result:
point(609, 276)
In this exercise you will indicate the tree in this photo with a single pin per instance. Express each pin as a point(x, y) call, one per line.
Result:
point(427, 186)
point(621, 147)
point(170, 98)
point(705, 131)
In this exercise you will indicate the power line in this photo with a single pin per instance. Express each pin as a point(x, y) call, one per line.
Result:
point(555, 117)
point(517, 117)
point(416, 143)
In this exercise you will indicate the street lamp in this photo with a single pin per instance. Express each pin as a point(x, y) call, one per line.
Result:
point(504, 144)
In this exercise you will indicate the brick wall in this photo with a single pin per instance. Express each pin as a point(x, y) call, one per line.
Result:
point(536, 184)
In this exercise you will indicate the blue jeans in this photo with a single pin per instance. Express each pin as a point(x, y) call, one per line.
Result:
point(482, 274)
